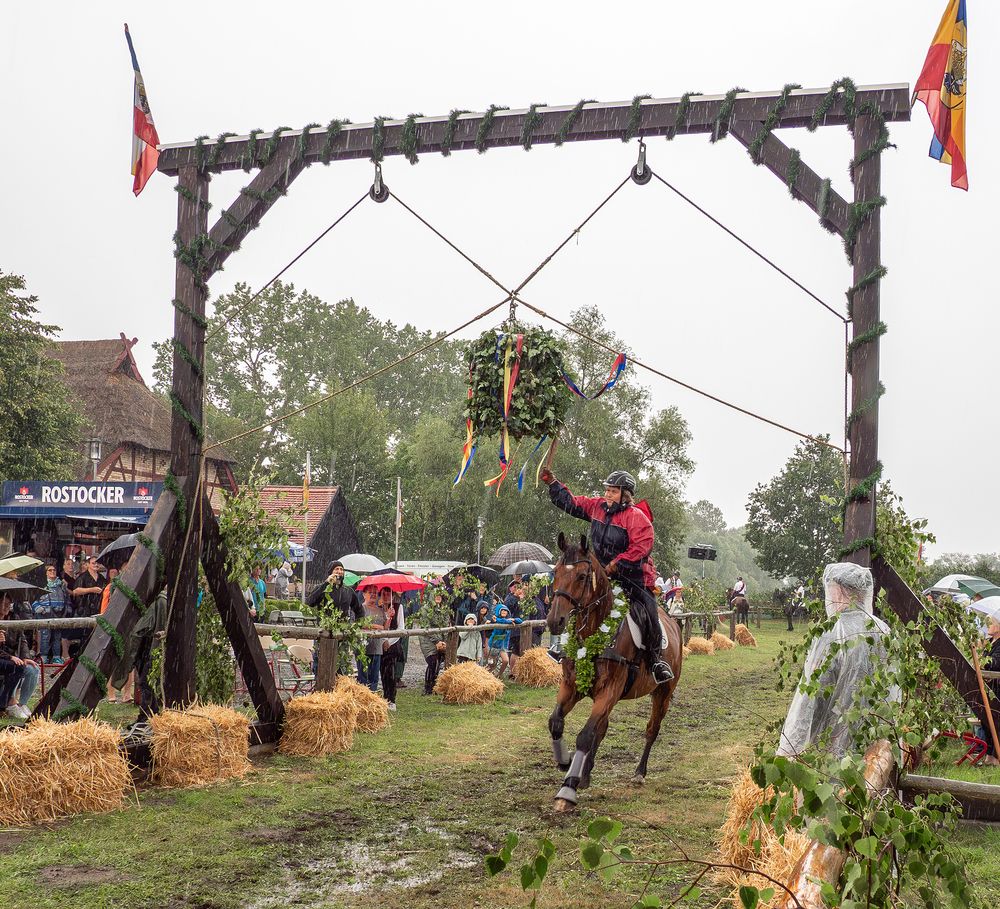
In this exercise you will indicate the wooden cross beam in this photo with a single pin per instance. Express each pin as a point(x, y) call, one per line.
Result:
point(596, 121)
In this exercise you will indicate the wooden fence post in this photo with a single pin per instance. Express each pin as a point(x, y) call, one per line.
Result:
point(732, 625)
point(687, 630)
point(451, 649)
point(326, 664)
point(758, 610)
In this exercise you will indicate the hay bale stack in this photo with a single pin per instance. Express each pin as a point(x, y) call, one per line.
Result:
point(468, 683)
point(701, 645)
point(537, 669)
point(373, 710)
point(721, 642)
point(776, 859)
point(199, 745)
point(52, 770)
point(744, 636)
point(686, 650)
point(319, 723)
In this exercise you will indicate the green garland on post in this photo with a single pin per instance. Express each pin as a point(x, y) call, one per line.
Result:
point(185, 193)
point(792, 171)
point(876, 274)
point(76, 707)
point(185, 355)
point(157, 553)
point(170, 483)
point(179, 305)
point(131, 595)
point(756, 147)
point(532, 120)
point(181, 410)
point(634, 117)
point(409, 139)
point(448, 139)
point(486, 127)
point(117, 641)
point(95, 671)
point(866, 337)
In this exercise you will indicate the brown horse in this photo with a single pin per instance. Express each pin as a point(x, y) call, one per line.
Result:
point(582, 589)
point(740, 605)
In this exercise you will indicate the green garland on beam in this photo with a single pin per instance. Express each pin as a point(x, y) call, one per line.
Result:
point(683, 112)
point(181, 410)
point(448, 139)
point(823, 204)
point(756, 147)
point(876, 331)
point(76, 708)
point(333, 129)
point(250, 155)
point(304, 140)
point(220, 144)
point(486, 127)
point(271, 146)
point(724, 117)
point(378, 138)
point(532, 121)
point(99, 677)
point(170, 483)
point(570, 120)
point(133, 597)
point(198, 320)
point(117, 641)
point(849, 90)
point(199, 153)
point(793, 170)
point(869, 543)
point(881, 142)
point(865, 489)
point(156, 552)
point(634, 117)
point(409, 139)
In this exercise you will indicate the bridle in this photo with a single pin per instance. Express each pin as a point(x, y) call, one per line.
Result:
point(577, 605)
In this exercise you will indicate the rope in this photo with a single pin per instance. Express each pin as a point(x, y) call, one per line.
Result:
point(366, 378)
point(745, 243)
point(246, 305)
point(663, 375)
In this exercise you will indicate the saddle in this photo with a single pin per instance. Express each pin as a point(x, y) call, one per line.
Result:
point(637, 636)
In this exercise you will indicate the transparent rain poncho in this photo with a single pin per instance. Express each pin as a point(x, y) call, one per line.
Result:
point(848, 591)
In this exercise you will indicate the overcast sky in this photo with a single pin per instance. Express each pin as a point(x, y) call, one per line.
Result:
point(690, 300)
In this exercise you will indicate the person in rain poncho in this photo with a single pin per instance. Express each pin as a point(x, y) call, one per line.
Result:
point(849, 592)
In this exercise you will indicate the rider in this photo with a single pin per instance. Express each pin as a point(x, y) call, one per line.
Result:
point(622, 537)
point(739, 589)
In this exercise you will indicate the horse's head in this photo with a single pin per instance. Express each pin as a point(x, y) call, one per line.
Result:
point(576, 580)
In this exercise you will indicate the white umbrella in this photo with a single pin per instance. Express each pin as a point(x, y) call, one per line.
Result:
point(949, 583)
point(361, 563)
point(988, 606)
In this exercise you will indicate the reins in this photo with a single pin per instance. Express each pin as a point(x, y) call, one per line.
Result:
point(582, 620)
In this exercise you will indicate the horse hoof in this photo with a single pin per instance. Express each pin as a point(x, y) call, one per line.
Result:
point(562, 806)
point(638, 780)
point(563, 767)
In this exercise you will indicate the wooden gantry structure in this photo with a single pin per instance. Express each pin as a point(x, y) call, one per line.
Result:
point(183, 529)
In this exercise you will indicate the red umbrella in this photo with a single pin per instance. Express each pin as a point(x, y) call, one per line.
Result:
point(394, 580)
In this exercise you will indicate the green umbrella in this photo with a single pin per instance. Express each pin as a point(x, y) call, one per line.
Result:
point(350, 578)
point(978, 587)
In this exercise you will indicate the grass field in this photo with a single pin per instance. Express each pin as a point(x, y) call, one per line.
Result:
point(406, 817)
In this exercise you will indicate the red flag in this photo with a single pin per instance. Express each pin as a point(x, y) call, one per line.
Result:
point(144, 138)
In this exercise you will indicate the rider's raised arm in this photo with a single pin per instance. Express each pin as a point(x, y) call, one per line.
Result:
point(582, 507)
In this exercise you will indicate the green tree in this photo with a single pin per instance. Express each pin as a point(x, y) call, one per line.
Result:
point(793, 521)
point(41, 437)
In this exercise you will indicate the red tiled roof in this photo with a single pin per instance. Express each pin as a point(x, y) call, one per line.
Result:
point(276, 499)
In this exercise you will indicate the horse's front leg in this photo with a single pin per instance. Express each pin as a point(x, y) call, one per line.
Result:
point(566, 700)
point(588, 741)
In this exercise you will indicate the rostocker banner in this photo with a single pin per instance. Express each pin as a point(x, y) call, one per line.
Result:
point(34, 498)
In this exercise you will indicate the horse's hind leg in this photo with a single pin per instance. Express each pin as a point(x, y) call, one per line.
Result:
point(661, 701)
point(565, 702)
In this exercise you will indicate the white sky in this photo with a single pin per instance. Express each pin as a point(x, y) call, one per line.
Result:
point(689, 299)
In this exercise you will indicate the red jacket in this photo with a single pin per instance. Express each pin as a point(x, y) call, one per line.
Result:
point(624, 534)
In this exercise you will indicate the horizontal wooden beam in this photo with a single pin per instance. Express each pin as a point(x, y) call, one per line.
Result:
point(979, 801)
point(658, 117)
point(808, 187)
point(954, 666)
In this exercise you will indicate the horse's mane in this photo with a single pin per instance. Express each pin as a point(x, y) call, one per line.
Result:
point(574, 553)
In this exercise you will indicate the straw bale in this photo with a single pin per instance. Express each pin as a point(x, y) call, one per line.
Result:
point(536, 669)
point(52, 770)
point(373, 709)
point(202, 744)
point(686, 650)
point(721, 642)
point(775, 859)
point(744, 636)
point(468, 683)
point(701, 645)
point(319, 723)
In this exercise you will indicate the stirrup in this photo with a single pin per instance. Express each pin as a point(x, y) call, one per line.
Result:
point(662, 672)
point(555, 653)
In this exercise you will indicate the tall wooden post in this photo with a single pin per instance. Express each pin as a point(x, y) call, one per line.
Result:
point(859, 522)
point(186, 432)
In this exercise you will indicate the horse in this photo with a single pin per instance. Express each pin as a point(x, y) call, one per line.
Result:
point(740, 605)
point(581, 588)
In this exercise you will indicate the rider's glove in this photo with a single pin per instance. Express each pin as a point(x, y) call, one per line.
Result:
point(547, 476)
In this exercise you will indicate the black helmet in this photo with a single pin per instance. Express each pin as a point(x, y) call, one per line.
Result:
point(621, 478)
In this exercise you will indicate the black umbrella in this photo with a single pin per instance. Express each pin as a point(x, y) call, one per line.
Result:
point(119, 551)
point(489, 576)
point(518, 552)
point(17, 590)
point(527, 568)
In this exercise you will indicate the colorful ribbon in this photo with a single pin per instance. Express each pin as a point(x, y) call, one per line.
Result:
point(511, 370)
point(469, 449)
point(617, 368)
point(520, 476)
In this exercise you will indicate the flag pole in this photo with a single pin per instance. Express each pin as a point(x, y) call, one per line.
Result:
point(399, 516)
point(305, 522)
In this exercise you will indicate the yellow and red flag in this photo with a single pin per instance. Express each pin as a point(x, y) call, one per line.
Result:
point(144, 137)
point(942, 88)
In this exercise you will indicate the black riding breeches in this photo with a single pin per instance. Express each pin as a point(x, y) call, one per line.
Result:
point(642, 606)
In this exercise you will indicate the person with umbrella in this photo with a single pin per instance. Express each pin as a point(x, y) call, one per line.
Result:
point(333, 596)
point(622, 537)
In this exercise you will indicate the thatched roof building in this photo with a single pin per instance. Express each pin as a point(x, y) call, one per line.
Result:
point(131, 422)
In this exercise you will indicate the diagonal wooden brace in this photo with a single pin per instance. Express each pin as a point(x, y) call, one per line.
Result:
point(250, 659)
point(141, 574)
point(955, 667)
point(775, 156)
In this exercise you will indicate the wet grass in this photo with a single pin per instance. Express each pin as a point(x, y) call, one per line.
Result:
point(406, 817)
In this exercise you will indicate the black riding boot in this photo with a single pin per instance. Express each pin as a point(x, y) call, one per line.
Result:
point(645, 608)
